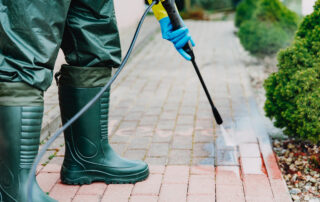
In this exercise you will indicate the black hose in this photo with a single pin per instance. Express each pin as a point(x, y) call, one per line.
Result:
point(32, 174)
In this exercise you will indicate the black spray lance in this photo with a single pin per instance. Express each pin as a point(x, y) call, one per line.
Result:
point(177, 23)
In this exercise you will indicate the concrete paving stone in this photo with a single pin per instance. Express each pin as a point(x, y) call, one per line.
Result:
point(252, 166)
point(184, 130)
point(117, 192)
point(271, 165)
point(133, 116)
point(46, 156)
point(122, 136)
point(204, 124)
point(61, 151)
point(144, 131)
point(119, 148)
point(153, 111)
point(128, 125)
point(280, 191)
point(47, 180)
point(151, 186)
point(201, 198)
point(158, 150)
point(203, 150)
point(166, 125)
point(143, 198)
point(57, 160)
point(257, 186)
point(173, 192)
point(135, 154)
point(203, 161)
point(96, 188)
point(227, 158)
point(180, 157)
point(57, 143)
point(204, 115)
point(82, 198)
point(203, 136)
point(185, 120)
point(52, 167)
point(222, 144)
point(230, 193)
point(260, 199)
point(196, 183)
point(202, 170)
point(39, 168)
point(62, 192)
point(187, 111)
point(140, 143)
point(176, 175)
point(170, 107)
point(149, 120)
point(228, 175)
point(156, 169)
point(162, 136)
point(182, 142)
point(249, 150)
point(169, 115)
point(156, 160)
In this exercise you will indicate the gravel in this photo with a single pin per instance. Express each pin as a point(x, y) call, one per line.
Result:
point(300, 165)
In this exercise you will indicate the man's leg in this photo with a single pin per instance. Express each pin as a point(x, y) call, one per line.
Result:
point(91, 44)
point(30, 36)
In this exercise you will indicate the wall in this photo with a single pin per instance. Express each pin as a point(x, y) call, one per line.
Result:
point(128, 12)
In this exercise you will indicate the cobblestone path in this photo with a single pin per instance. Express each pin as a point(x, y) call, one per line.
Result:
point(159, 113)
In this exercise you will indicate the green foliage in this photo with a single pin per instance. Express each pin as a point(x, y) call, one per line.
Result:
point(293, 93)
point(213, 4)
point(245, 11)
point(271, 28)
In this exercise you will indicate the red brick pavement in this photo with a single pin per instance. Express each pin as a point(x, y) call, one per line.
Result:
point(174, 184)
point(160, 114)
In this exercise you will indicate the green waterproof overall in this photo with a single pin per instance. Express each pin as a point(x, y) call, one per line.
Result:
point(32, 31)
point(31, 34)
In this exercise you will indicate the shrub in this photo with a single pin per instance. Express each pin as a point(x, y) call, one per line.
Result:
point(244, 11)
point(271, 28)
point(293, 93)
point(213, 4)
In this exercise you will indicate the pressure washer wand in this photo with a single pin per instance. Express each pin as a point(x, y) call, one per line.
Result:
point(177, 23)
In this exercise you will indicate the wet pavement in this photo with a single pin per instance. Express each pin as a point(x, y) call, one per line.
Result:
point(159, 114)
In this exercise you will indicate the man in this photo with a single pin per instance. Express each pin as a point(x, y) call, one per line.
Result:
point(31, 33)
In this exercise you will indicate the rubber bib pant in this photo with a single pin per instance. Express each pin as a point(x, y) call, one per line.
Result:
point(31, 33)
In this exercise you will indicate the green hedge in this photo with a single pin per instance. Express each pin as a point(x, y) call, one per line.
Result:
point(271, 28)
point(293, 93)
point(244, 11)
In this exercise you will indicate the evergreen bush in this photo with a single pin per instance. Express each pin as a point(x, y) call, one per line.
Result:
point(271, 28)
point(245, 10)
point(293, 93)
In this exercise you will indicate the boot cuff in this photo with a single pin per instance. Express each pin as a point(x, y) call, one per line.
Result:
point(19, 94)
point(84, 77)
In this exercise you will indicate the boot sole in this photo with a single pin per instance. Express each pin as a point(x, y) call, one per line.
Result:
point(90, 176)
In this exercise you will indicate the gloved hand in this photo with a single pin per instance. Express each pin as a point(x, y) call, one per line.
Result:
point(178, 37)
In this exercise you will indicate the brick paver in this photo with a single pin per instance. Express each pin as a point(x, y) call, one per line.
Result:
point(159, 113)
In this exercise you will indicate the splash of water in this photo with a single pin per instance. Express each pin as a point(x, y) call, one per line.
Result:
point(229, 140)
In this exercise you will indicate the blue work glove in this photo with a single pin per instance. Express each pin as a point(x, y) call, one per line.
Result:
point(178, 37)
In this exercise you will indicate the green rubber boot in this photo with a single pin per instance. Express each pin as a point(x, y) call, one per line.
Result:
point(88, 155)
point(19, 143)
